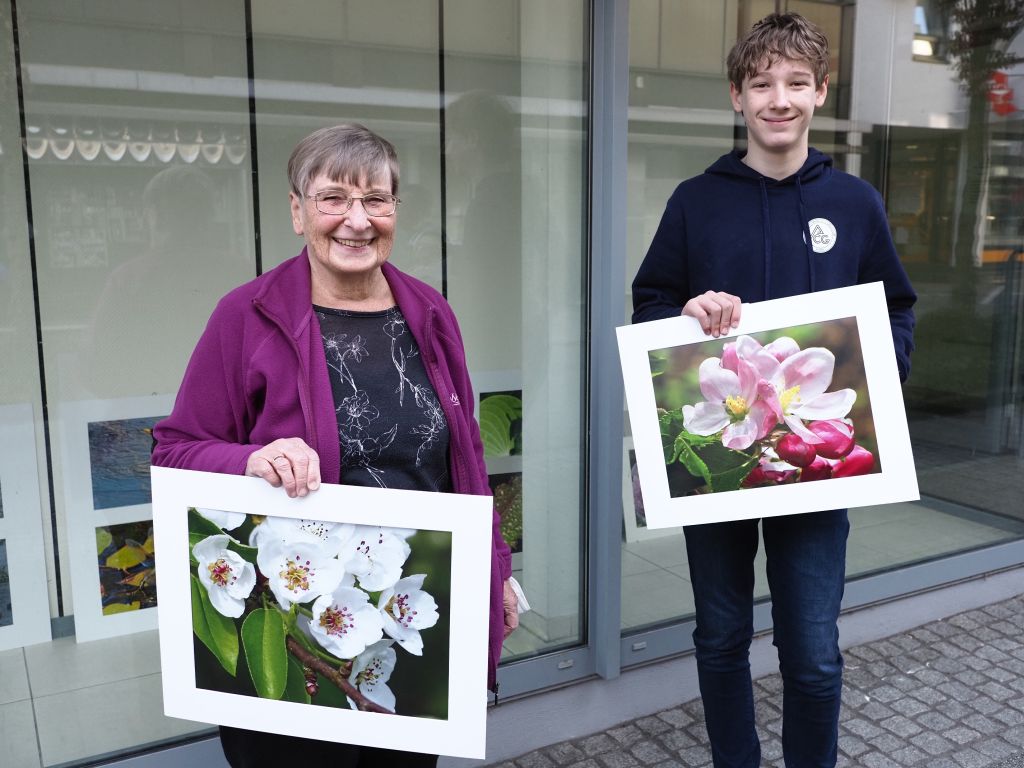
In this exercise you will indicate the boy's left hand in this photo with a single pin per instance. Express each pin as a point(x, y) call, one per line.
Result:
point(716, 311)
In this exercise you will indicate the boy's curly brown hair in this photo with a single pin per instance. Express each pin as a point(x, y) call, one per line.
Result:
point(779, 36)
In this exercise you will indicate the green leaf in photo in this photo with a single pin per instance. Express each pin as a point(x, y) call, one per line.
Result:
point(658, 359)
point(110, 610)
point(263, 636)
point(688, 457)
point(103, 539)
point(727, 468)
point(128, 556)
point(215, 631)
point(732, 479)
point(497, 414)
point(246, 553)
point(295, 687)
point(193, 539)
point(199, 524)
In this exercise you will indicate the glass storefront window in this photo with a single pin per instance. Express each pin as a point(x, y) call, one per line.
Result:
point(948, 162)
point(155, 187)
point(143, 176)
point(140, 220)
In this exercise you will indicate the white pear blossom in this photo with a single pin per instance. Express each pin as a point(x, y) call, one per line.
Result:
point(298, 572)
point(371, 671)
point(291, 529)
point(407, 609)
point(227, 577)
point(375, 555)
point(226, 520)
point(345, 622)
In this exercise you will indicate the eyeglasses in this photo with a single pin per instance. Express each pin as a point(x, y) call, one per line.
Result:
point(335, 203)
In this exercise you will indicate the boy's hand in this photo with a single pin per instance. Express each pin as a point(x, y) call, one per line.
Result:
point(716, 312)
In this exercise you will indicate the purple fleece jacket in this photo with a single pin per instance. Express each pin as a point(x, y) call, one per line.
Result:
point(259, 373)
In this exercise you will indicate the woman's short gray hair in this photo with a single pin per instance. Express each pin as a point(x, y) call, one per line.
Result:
point(350, 153)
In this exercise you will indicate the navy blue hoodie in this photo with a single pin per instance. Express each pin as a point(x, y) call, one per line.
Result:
point(733, 230)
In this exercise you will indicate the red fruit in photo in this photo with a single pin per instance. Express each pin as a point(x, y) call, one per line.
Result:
point(836, 435)
point(858, 461)
point(795, 451)
point(784, 476)
point(756, 477)
point(759, 476)
point(819, 469)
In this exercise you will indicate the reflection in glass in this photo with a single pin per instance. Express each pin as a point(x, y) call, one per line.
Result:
point(133, 246)
point(514, 156)
point(944, 148)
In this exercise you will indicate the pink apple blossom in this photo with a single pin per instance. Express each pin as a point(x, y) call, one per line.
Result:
point(732, 405)
point(800, 392)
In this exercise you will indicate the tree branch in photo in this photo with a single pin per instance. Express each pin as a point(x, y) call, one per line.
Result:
point(335, 676)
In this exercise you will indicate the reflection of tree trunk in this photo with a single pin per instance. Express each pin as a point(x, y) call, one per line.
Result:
point(970, 215)
point(981, 30)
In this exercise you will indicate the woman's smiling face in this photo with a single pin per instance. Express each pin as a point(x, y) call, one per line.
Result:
point(347, 248)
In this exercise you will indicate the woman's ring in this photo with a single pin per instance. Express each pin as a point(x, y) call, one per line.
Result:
point(279, 456)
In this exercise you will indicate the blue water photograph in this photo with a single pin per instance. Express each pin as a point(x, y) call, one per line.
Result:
point(6, 615)
point(119, 457)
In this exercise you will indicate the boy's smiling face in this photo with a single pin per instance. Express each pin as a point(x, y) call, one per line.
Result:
point(777, 104)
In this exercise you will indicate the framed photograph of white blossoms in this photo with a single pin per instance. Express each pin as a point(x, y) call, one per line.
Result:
point(356, 615)
point(798, 409)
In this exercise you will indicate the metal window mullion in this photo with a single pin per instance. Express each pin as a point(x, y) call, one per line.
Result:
point(609, 102)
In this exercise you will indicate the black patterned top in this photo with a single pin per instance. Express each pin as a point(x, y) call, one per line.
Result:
point(392, 430)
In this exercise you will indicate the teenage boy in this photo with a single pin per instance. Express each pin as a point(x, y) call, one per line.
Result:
point(775, 221)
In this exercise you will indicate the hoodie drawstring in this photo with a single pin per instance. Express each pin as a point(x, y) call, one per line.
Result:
point(805, 224)
point(766, 228)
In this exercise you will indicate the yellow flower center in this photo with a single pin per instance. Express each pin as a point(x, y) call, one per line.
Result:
point(296, 575)
point(787, 397)
point(220, 572)
point(736, 405)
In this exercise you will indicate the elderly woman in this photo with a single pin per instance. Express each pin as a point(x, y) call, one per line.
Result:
point(336, 367)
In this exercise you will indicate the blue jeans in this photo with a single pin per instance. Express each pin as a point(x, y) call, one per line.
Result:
point(806, 572)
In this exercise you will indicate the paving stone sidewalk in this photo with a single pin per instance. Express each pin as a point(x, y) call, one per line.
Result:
point(949, 694)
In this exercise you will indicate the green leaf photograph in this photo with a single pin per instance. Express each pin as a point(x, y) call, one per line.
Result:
point(501, 423)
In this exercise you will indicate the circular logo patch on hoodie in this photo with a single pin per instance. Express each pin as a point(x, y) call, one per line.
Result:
point(823, 235)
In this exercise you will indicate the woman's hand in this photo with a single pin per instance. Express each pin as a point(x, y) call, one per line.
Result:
point(716, 312)
point(288, 462)
point(511, 606)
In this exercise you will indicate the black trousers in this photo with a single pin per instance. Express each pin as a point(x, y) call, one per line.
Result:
point(255, 749)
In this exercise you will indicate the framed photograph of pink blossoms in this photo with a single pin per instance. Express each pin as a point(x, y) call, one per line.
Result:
point(356, 615)
point(798, 409)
